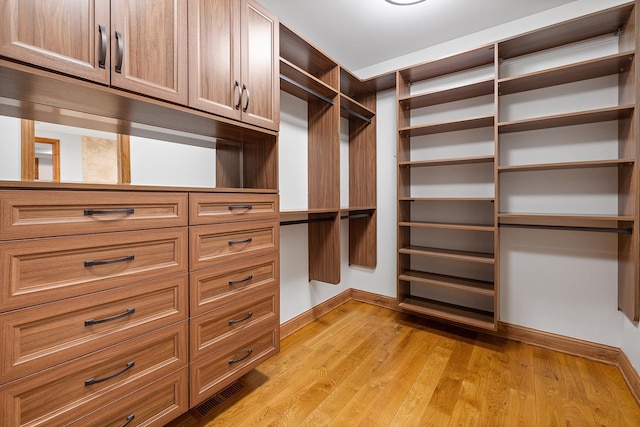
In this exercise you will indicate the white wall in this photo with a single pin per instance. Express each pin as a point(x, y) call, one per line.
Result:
point(155, 162)
point(10, 141)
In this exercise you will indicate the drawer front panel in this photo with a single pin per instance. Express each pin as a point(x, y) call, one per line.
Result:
point(58, 395)
point(29, 214)
point(43, 270)
point(213, 245)
point(45, 335)
point(215, 208)
point(153, 405)
point(252, 311)
point(212, 286)
point(211, 374)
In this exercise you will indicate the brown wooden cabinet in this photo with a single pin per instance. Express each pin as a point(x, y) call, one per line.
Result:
point(95, 306)
point(139, 46)
point(233, 54)
point(68, 36)
point(149, 48)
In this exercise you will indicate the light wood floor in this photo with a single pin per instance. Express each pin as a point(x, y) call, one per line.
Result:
point(361, 365)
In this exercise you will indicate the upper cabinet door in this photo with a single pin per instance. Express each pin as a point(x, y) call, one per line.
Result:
point(260, 67)
point(149, 47)
point(214, 57)
point(69, 36)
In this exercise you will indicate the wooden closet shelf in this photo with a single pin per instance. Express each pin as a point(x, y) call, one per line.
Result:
point(483, 55)
point(569, 119)
point(308, 212)
point(473, 286)
point(303, 85)
point(567, 165)
point(446, 199)
point(451, 254)
point(445, 162)
point(449, 226)
point(564, 217)
point(454, 313)
point(298, 51)
point(430, 129)
point(600, 67)
point(351, 108)
point(589, 26)
point(473, 90)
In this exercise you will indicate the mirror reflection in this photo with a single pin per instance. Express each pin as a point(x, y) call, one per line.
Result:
point(41, 151)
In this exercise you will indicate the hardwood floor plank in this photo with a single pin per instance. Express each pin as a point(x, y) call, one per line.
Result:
point(366, 365)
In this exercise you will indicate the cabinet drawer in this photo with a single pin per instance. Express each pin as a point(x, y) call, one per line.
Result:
point(213, 245)
point(45, 335)
point(153, 405)
point(28, 214)
point(43, 270)
point(207, 208)
point(250, 312)
point(211, 374)
point(211, 286)
point(61, 394)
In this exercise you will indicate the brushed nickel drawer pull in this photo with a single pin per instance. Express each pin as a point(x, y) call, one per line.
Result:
point(236, 242)
point(128, 421)
point(92, 381)
point(232, 361)
point(126, 211)
point(103, 46)
point(109, 261)
point(246, 279)
point(247, 207)
point(245, 318)
point(90, 322)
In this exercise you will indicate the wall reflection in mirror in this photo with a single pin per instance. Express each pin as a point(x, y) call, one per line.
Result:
point(41, 151)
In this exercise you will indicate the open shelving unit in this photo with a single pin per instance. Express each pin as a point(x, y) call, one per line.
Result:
point(596, 52)
point(595, 49)
point(331, 92)
point(447, 259)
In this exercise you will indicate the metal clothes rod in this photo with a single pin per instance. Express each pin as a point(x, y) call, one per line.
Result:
point(306, 221)
point(356, 216)
point(627, 230)
point(358, 115)
point(306, 89)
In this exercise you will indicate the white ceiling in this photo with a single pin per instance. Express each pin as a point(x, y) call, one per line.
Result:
point(361, 33)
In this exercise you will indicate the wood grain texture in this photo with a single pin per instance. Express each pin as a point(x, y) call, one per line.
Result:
point(366, 365)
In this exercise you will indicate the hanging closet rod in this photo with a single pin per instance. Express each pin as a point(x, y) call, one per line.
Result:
point(358, 115)
point(624, 230)
point(306, 89)
point(356, 216)
point(306, 221)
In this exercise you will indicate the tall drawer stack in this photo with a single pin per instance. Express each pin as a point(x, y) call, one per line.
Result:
point(93, 307)
point(234, 280)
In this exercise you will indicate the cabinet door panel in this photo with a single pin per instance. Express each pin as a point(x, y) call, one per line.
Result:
point(214, 56)
point(39, 337)
point(214, 245)
point(70, 36)
point(81, 386)
point(29, 214)
point(155, 404)
point(149, 47)
point(208, 208)
point(211, 374)
point(260, 67)
point(37, 271)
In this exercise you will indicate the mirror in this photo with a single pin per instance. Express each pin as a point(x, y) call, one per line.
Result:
point(75, 147)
